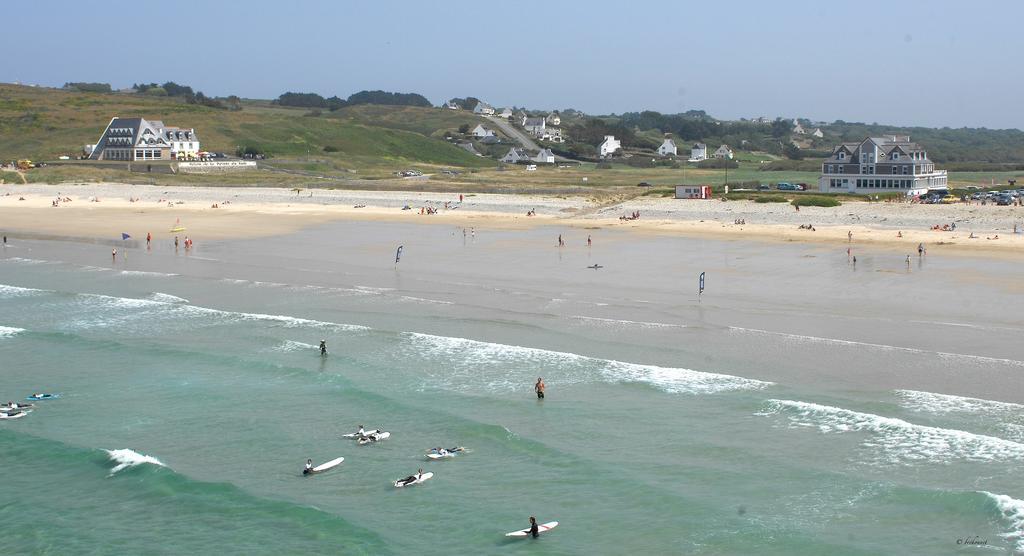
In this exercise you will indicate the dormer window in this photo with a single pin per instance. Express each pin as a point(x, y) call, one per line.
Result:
point(895, 156)
point(842, 155)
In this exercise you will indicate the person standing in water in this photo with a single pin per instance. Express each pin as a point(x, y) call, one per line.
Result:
point(309, 467)
point(149, 239)
point(175, 242)
point(534, 529)
point(588, 240)
point(113, 254)
point(323, 347)
point(539, 388)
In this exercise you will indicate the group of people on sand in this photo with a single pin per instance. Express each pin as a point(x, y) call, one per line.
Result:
point(56, 202)
point(807, 227)
point(531, 212)
point(635, 215)
point(740, 221)
point(951, 227)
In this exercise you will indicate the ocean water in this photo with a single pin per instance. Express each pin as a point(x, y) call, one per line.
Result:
point(800, 406)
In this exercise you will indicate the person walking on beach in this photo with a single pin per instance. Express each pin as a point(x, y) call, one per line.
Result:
point(539, 388)
point(908, 262)
point(849, 236)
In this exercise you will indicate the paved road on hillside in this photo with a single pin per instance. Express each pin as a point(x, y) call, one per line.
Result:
point(508, 129)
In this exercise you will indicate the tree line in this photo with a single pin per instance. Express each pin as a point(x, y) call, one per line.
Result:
point(313, 100)
point(172, 89)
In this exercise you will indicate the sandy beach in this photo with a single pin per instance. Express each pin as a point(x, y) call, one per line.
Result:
point(106, 210)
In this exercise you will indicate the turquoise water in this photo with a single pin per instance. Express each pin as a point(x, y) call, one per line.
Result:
point(850, 421)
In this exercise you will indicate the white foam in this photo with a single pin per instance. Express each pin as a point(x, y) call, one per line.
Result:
point(145, 273)
point(16, 291)
point(292, 345)
point(126, 458)
point(836, 341)
point(24, 261)
point(424, 300)
point(628, 322)
point(468, 362)
point(945, 403)
point(8, 331)
point(166, 298)
point(1012, 511)
point(897, 441)
point(139, 307)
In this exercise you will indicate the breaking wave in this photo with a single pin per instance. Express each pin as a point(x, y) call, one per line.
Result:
point(896, 440)
point(126, 458)
point(504, 367)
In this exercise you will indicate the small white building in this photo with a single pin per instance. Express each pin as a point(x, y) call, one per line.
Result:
point(698, 152)
point(724, 152)
point(505, 113)
point(668, 147)
point(608, 146)
point(552, 134)
point(451, 105)
point(797, 128)
point(554, 119)
point(480, 132)
point(516, 156)
point(817, 133)
point(545, 156)
point(483, 109)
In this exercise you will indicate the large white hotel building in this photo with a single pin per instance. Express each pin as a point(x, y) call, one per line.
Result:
point(880, 165)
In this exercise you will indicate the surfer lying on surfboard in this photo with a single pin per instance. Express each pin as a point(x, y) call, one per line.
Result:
point(410, 479)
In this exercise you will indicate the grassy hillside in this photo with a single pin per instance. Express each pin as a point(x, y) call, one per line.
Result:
point(41, 124)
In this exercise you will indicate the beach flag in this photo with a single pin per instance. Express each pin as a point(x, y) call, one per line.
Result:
point(701, 284)
point(124, 236)
point(398, 254)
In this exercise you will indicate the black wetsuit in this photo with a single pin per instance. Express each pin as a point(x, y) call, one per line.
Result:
point(323, 348)
point(533, 530)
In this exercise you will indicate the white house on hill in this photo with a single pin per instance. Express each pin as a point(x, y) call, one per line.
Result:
point(608, 146)
point(698, 152)
point(483, 108)
point(554, 119)
point(534, 125)
point(724, 152)
point(481, 131)
point(505, 113)
point(545, 156)
point(668, 147)
point(515, 156)
point(817, 133)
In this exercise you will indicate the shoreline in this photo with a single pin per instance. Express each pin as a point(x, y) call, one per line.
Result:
point(261, 212)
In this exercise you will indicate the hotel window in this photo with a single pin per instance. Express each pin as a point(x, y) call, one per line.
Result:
point(139, 154)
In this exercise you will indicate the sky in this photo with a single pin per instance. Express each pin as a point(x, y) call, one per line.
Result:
point(929, 63)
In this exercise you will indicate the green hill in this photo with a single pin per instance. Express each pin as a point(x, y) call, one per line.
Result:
point(42, 124)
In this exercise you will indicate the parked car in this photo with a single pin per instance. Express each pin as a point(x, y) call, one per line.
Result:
point(1004, 200)
point(643, 184)
point(786, 186)
point(802, 186)
point(764, 187)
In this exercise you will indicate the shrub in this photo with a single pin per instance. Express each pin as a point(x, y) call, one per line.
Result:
point(815, 201)
point(718, 163)
point(330, 149)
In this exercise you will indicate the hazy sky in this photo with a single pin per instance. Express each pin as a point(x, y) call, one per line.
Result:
point(933, 63)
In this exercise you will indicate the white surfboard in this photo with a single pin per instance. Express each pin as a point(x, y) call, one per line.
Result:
point(357, 435)
point(379, 436)
point(426, 476)
point(323, 466)
point(17, 415)
point(540, 529)
point(435, 455)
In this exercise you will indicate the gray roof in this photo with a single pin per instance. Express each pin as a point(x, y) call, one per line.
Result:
point(530, 122)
